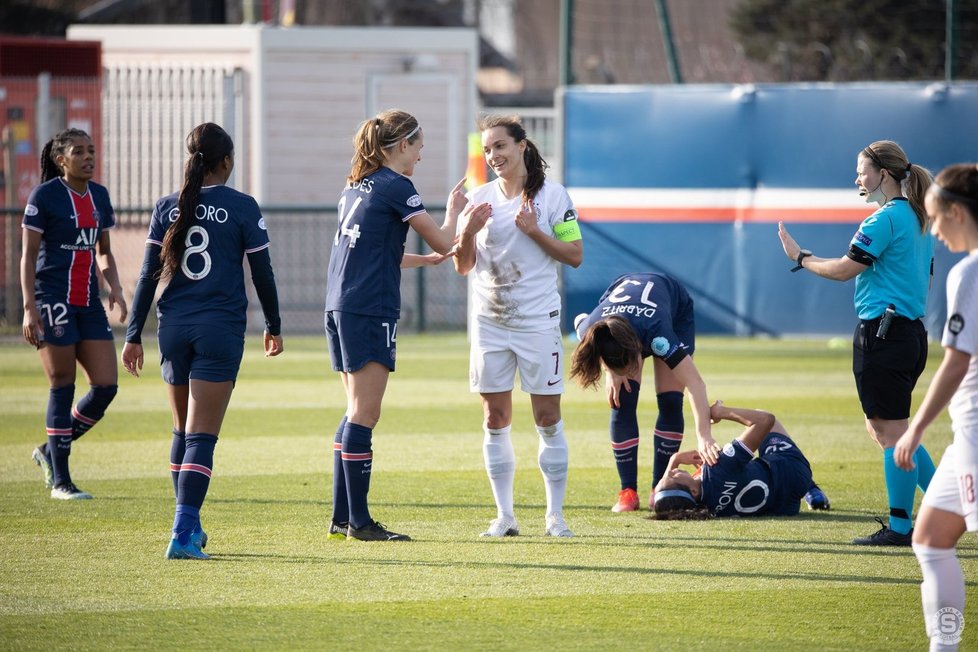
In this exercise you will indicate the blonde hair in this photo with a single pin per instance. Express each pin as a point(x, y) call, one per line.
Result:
point(887, 155)
point(375, 135)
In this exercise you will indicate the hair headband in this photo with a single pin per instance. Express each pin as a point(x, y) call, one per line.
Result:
point(674, 493)
point(408, 137)
point(879, 163)
point(951, 196)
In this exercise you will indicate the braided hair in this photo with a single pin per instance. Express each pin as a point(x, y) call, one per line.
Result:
point(56, 147)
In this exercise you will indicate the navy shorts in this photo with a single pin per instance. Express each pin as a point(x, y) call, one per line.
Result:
point(886, 371)
point(789, 467)
point(65, 325)
point(354, 340)
point(199, 352)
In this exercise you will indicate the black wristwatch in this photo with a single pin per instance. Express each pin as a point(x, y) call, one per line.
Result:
point(802, 255)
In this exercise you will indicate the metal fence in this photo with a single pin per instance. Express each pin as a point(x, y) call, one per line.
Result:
point(432, 298)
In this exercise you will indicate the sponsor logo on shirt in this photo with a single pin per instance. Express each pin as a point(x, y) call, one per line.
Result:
point(955, 323)
point(660, 345)
point(570, 215)
point(261, 224)
point(31, 210)
point(863, 238)
point(414, 201)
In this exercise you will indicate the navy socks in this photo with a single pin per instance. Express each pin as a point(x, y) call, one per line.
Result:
point(357, 464)
point(624, 436)
point(192, 483)
point(58, 422)
point(669, 426)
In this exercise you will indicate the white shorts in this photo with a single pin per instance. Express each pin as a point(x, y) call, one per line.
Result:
point(498, 352)
point(953, 487)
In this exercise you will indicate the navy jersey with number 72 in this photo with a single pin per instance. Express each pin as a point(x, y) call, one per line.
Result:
point(364, 274)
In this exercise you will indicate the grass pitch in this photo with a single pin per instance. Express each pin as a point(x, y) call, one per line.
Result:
point(91, 574)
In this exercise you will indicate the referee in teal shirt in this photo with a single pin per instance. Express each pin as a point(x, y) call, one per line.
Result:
point(891, 257)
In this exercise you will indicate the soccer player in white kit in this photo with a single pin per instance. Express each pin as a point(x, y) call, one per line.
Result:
point(514, 256)
point(949, 507)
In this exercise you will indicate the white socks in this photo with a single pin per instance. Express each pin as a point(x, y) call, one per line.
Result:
point(552, 458)
point(941, 595)
point(497, 450)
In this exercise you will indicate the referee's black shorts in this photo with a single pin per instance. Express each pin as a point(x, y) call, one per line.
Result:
point(886, 371)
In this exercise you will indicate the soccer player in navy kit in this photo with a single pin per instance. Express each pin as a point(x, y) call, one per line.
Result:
point(739, 484)
point(950, 506)
point(638, 316)
point(363, 299)
point(66, 233)
point(197, 241)
point(891, 258)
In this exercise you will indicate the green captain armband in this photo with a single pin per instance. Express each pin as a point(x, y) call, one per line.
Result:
point(567, 231)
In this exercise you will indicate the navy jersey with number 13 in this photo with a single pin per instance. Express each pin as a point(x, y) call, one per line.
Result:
point(365, 264)
point(209, 285)
point(649, 302)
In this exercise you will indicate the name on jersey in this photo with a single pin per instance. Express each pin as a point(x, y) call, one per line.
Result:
point(85, 241)
point(637, 311)
point(363, 185)
point(204, 212)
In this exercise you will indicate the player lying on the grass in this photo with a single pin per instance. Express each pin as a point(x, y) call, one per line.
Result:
point(739, 484)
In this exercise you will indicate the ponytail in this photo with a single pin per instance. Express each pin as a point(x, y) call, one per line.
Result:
point(536, 170)
point(914, 179)
point(208, 144)
point(376, 135)
point(917, 182)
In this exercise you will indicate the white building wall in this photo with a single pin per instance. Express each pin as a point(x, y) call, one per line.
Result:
point(305, 91)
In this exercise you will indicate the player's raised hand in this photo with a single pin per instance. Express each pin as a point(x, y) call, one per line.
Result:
point(716, 412)
point(475, 216)
point(526, 219)
point(791, 248)
point(457, 199)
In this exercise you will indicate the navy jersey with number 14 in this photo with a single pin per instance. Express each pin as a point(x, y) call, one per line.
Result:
point(364, 274)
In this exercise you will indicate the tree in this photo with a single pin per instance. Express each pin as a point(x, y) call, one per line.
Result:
point(848, 40)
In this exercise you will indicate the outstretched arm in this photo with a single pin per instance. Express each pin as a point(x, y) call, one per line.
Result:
point(836, 269)
point(689, 376)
